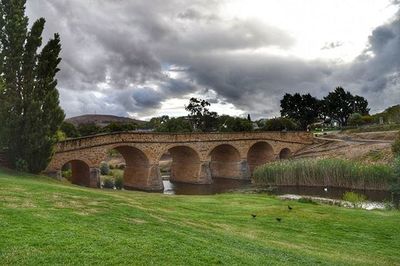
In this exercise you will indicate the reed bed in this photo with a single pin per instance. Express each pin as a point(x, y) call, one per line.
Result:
point(325, 172)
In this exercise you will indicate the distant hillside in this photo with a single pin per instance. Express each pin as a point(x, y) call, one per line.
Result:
point(390, 115)
point(101, 120)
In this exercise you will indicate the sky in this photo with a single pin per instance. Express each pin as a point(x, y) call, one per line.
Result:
point(146, 58)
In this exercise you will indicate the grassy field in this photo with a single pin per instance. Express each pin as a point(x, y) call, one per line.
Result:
point(46, 222)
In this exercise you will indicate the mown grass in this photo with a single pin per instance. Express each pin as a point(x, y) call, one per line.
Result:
point(325, 172)
point(43, 222)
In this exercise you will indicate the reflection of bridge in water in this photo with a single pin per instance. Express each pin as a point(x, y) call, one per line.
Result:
point(196, 157)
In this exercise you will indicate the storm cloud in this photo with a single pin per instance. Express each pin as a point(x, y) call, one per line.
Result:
point(127, 57)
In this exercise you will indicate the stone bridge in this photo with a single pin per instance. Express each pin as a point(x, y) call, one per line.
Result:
point(197, 158)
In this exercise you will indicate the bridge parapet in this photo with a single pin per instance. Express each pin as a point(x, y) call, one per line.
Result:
point(137, 137)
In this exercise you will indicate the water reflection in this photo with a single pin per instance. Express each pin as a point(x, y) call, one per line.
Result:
point(222, 185)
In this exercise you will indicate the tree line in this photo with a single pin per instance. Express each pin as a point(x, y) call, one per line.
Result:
point(338, 105)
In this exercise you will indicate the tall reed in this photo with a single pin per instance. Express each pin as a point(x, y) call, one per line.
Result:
point(325, 172)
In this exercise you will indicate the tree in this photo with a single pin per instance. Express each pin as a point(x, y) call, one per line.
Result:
point(31, 114)
point(175, 124)
point(89, 129)
point(119, 127)
point(228, 123)
point(304, 109)
point(201, 118)
point(69, 130)
point(279, 124)
point(340, 104)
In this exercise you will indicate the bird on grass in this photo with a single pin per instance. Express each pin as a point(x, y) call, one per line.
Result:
point(254, 215)
point(279, 219)
point(289, 207)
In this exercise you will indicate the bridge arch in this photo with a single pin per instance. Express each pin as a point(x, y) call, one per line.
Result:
point(285, 153)
point(186, 164)
point(225, 162)
point(80, 172)
point(137, 167)
point(258, 154)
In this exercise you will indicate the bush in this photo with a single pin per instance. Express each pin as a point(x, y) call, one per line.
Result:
point(108, 182)
point(396, 146)
point(104, 168)
point(355, 199)
point(21, 165)
point(119, 182)
point(355, 119)
point(395, 183)
point(279, 124)
point(67, 173)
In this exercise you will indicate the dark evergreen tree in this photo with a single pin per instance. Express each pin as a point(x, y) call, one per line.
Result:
point(30, 113)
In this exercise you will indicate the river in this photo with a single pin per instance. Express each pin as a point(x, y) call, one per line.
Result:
point(221, 185)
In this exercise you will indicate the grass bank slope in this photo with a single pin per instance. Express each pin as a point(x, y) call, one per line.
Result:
point(46, 222)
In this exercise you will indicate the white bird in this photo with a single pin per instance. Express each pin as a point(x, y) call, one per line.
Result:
point(325, 189)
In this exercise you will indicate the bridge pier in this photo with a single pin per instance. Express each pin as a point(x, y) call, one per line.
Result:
point(245, 173)
point(94, 178)
point(147, 179)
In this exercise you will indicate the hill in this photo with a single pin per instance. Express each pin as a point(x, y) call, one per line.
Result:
point(45, 222)
point(101, 120)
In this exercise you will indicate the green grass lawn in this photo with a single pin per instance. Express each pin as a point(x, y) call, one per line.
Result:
point(46, 222)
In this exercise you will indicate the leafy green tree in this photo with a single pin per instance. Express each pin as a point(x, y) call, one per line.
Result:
point(69, 130)
point(175, 124)
point(202, 119)
point(340, 104)
point(234, 124)
point(280, 124)
point(31, 114)
point(155, 122)
point(119, 127)
point(89, 129)
point(304, 109)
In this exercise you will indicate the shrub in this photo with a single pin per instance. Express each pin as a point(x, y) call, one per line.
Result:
point(395, 183)
point(108, 182)
point(21, 165)
point(119, 182)
point(67, 173)
point(279, 124)
point(355, 119)
point(396, 146)
point(104, 168)
point(355, 199)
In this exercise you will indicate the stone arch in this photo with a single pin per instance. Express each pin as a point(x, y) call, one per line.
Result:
point(259, 154)
point(80, 172)
point(225, 162)
point(138, 169)
point(285, 153)
point(186, 164)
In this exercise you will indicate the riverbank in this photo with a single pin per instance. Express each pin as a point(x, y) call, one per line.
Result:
point(46, 222)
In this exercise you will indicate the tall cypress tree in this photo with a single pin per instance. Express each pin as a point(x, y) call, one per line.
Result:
point(30, 114)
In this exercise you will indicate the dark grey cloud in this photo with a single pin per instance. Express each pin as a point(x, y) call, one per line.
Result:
point(125, 57)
